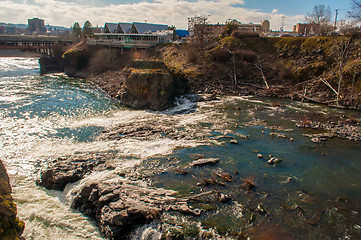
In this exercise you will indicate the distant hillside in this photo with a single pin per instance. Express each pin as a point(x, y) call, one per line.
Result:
point(21, 25)
point(18, 25)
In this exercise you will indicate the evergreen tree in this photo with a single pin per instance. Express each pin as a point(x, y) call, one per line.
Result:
point(88, 29)
point(76, 30)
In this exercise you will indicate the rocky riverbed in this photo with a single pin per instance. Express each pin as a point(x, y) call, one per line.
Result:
point(158, 191)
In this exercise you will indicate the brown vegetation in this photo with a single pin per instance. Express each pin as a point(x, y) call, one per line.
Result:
point(281, 67)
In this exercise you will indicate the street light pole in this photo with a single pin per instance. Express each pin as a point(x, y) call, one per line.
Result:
point(336, 19)
point(283, 23)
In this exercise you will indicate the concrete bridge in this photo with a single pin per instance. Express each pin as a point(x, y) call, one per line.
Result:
point(43, 44)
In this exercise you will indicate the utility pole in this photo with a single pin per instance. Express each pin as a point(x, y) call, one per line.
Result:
point(336, 18)
point(283, 22)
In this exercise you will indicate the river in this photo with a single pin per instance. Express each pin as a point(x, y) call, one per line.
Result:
point(314, 193)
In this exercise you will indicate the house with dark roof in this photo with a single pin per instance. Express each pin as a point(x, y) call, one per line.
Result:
point(142, 28)
point(110, 27)
point(124, 27)
point(126, 35)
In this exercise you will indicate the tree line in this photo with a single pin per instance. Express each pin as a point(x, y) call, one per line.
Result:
point(85, 32)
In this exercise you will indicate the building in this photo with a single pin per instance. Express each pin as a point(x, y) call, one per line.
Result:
point(36, 25)
point(304, 29)
point(143, 28)
point(110, 28)
point(134, 34)
point(218, 29)
point(2, 30)
point(182, 33)
point(263, 27)
point(134, 28)
point(211, 29)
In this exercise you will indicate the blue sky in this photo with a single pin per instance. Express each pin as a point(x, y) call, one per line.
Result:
point(171, 12)
point(293, 7)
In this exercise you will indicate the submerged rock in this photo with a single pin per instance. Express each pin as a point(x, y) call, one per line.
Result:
point(204, 162)
point(10, 226)
point(234, 141)
point(224, 198)
point(334, 129)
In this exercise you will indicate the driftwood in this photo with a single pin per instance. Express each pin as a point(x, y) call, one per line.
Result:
point(259, 67)
point(252, 85)
point(196, 197)
point(309, 98)
point(329, 85)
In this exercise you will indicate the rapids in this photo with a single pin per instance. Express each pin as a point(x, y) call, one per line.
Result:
point(314, 193)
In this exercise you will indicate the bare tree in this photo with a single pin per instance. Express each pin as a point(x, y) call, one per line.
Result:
point(320, 18)
point(355, 12)
point(342, 50)
point(348, 26)
point(356, 71)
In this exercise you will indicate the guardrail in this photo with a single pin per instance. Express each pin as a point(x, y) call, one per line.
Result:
point(123, 43)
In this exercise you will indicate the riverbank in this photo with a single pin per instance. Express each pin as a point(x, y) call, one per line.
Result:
point(303, 69)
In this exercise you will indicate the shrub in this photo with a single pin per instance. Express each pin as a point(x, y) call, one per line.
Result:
point(221, 55)
point(246, 55)
point(230, 42)
point(105, 60)
point(244, 34)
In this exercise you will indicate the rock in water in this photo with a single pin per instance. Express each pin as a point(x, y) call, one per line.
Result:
point(10, 226)
point(119, 206)
point(67, 170)
point(147, 88)
point(205, 161)
point(233, 141)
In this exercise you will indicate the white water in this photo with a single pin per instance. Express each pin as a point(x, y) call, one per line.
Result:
point(41, 118)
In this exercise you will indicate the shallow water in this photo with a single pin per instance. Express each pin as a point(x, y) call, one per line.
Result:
point(45, 117)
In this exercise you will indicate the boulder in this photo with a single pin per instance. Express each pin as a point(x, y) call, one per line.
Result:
point(66, 170)
point(205, 161)
point(147, 89)
point(120, 206)
point(10, 226)
point(50, 65)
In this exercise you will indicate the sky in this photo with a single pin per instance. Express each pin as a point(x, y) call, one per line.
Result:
point(67, 12)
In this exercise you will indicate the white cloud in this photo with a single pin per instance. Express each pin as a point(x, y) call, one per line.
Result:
point(275, 11)
point(56, 12)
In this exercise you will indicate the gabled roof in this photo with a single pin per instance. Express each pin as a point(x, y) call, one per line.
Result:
point(148, 27)
point(125, 27)
point(111, 27)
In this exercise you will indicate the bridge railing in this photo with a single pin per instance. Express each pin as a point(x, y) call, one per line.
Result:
point(122, 43)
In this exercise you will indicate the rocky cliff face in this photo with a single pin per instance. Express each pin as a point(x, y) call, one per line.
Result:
point(10, 226)
point(76, 60)
point(147, 88)
point(142, 85)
